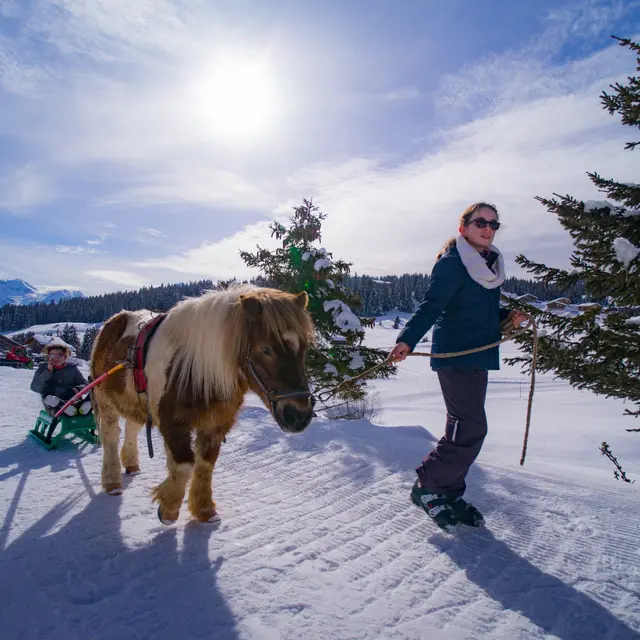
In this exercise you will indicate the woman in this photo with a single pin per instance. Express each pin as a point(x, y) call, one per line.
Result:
point(462, 303)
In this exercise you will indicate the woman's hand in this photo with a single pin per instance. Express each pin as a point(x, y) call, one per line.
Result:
point(517, 318)
point(399, 352)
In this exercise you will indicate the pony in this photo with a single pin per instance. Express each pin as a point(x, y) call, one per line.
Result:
point(203, 358)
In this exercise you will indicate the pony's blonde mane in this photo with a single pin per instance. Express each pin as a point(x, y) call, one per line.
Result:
point(210, 336)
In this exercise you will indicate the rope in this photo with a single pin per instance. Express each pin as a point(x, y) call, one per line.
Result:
point(511, 335)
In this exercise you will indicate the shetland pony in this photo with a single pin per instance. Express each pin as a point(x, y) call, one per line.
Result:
point(201, 361)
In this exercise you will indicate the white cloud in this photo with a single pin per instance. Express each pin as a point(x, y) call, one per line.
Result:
point(63, 248)
point(400, 94)
point(196, 185)
point(520, 125)
point(46, 288)
point(124, 278)
point(497, 83)
point(217, 260)
point(152, 232)
point(24, 188)
point(131, 85)
point(391, 219)
point(401, 215)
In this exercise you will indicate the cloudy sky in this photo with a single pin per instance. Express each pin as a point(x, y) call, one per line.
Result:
point(149, 141)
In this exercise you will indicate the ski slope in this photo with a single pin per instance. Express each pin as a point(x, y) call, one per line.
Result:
point(319, 538)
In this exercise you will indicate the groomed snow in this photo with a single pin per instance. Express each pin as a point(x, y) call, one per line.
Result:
point(319, 538)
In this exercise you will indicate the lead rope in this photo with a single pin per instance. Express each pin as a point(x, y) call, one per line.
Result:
point(511, 335)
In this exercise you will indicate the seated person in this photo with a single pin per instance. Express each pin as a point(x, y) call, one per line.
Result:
point(58, 380)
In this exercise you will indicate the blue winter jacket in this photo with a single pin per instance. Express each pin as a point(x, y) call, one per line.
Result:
point(463, 315)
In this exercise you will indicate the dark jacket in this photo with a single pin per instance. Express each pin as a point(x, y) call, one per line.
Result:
point(59, 382)
point(463, 315)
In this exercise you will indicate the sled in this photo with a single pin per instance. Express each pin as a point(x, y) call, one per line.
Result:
point(80, 426)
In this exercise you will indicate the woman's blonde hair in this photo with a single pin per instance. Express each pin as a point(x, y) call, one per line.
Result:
point(464, 220)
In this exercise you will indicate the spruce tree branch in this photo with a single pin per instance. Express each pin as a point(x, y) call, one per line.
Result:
point(619, 473)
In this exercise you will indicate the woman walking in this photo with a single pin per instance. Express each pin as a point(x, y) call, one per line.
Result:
point(462, 304)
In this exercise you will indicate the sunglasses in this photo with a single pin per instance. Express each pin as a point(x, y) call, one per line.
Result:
point(481, 223)
point(56, 355)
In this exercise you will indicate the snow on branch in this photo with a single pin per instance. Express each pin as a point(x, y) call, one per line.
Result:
point(342, 315)
point(626, 252)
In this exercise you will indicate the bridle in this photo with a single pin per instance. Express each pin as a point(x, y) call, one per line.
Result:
point(272, 395)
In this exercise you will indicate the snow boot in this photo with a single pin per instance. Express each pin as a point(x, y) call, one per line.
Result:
point(466, 513)
point(436, 505)
point(85, 408)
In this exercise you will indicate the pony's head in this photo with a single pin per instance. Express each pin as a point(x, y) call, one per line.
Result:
point(279, 330)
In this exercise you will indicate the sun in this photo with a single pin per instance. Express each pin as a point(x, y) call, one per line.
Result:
point(234, 97)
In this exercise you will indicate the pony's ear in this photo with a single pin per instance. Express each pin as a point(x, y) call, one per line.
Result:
point(252, 307)
point(302, 299)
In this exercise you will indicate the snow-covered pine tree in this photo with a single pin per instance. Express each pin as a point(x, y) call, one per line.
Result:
point(21, 338)
point(87, 342)
point(600, 348)
point(300, 264)
point(70, 336)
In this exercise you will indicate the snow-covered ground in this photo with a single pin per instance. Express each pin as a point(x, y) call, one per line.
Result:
point(319, 538)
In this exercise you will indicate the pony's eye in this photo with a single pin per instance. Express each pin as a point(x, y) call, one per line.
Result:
point(266, 351)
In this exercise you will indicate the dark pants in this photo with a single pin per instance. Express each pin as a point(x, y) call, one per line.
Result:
point(444, 470)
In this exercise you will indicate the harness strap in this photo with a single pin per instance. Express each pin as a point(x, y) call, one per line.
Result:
point(138, 357)
point(271, 394)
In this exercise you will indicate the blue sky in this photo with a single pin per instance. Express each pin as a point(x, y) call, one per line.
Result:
point(149, 141)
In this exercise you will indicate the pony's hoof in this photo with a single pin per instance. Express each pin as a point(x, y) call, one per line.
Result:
point(133, 470)
point(210, 518)
point(113, 489)
point(164, 521)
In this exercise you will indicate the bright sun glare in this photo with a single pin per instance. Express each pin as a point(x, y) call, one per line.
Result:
point(235, 98)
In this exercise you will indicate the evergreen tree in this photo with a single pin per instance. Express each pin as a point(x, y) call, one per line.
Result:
point(301, 265)
point(70, 336)
point(378, 296)
point(87, 342)
point(21, 338)
point(599, 349)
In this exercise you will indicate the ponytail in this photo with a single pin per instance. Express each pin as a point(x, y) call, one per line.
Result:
point(445, 247)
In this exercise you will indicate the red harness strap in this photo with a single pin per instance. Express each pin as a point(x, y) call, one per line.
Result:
point(140, 351)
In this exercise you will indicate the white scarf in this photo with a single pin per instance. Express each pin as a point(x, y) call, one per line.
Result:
point(477, 266)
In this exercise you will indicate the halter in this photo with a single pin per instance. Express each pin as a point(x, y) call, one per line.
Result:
point(273, 396)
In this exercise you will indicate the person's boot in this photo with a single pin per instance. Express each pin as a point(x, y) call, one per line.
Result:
point(436, 505)
point(466, 513)
point(85, 408)
point(71, 411)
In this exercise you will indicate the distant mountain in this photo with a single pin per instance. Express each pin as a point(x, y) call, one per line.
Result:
point(22, 293)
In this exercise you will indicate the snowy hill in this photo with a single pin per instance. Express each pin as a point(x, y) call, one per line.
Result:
point(55, 329)
point(319, 538)
point(22, 293)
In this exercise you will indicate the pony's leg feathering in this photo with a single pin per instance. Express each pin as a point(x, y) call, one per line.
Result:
point(110, 437)
point(129, 454)
point(201, 503)
point(180, 461)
